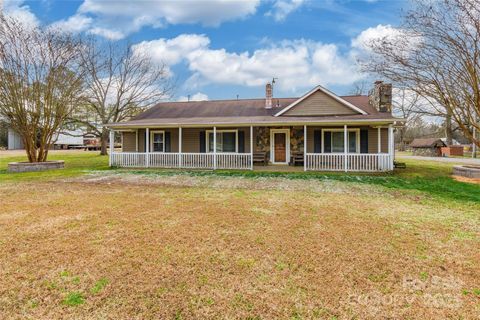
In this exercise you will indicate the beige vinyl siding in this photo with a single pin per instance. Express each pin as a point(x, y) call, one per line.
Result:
point(141, 140)
point(128, 142)
point(319, 104)
point(373, 140)
point(191, 139)
point(173, 139)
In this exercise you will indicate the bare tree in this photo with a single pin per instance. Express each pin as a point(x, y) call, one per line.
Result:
point(360, 88)
point(119, 83)
point(39, 83)
point(437, 55)
point(406, 105)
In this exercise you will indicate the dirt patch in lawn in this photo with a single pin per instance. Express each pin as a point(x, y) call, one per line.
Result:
point(109, 249)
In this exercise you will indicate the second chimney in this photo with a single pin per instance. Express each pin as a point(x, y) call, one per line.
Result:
point(268, 96)
point(380, 96)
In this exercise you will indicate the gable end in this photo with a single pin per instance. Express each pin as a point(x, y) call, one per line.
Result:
point(320, 102)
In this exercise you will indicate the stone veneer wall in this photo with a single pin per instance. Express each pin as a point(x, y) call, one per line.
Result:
point(296, 139)
point(262, 139)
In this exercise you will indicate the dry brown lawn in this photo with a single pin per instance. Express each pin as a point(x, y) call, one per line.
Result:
point(170, 248)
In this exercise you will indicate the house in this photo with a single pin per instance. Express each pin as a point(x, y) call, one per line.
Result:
point(322, 130)
point(429, 147)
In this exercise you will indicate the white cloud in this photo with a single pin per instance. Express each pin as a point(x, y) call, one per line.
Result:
point(117, 19)
point(379, 32)
point(282, 8)
point(74, 24)
point(21, 12)
point(107, 33)
point(196, 97)
point(296, 64)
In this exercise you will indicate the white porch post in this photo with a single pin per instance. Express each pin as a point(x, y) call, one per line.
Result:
point(147, 148)
point(136, 140)
point(390, 145)
point(180, 160)
point(214, 148)
point(379, 140)
point(305, 148)
point(251, 147)
point(345, 147)
point(112, 146)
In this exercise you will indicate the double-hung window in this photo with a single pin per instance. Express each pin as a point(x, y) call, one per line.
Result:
point(227, 141)
point(157, 141)
point(334, 138)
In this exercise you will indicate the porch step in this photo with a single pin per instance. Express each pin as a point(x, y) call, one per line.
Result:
point(400, 165)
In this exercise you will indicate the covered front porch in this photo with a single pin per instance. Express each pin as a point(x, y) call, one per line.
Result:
point(364, 148)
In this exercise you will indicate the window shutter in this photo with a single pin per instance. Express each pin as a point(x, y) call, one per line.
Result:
point(363, 140)
point(317, 141)
point(203, 147)
point(327, 144)
point(168, 144)
point(241, 141)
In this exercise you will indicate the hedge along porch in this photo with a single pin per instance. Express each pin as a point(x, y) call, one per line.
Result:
point(368, 147)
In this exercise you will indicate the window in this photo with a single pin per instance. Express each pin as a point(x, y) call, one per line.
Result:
point(157, 139)
point(227, 141)
point(337, 140)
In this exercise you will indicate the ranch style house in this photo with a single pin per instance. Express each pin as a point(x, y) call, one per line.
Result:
point(319, 131)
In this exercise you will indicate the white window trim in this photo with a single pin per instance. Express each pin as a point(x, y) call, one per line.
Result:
point(151, 140)
point(207, 141)
point(356, 130)
point(272, 145)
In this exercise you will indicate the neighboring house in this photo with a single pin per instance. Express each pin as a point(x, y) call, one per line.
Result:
point(63, 140)
point(183, 134)
point(429, 147)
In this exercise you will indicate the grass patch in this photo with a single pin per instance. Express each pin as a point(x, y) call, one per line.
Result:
point(74, 299)
point(76, 163)
point(99, 285)
point(432, 178)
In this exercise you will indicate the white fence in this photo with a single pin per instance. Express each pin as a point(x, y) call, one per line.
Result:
point(370, 162)
point(182, 160)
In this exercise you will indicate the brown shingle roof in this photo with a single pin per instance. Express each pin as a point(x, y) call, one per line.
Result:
point(242, 111)
point(427, 143)
point(232, 108)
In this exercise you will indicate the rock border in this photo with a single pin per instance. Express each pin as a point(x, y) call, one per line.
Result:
point(469, 171)
point(35, 166)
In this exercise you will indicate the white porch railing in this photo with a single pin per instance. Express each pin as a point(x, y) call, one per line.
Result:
point(128, 159)
point(368, 162)
point(197, 160)
point(233, 160)
point(182, 160)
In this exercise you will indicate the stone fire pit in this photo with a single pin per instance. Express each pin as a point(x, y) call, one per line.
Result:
point(468, 171)
point(35, 166)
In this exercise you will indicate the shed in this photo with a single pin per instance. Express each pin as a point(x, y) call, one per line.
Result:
point(429, 147)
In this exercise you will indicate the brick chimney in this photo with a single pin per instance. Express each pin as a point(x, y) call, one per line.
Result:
point(380, 97)
point(268, 96)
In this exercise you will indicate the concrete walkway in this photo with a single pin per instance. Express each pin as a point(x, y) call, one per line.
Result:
point(442, 159)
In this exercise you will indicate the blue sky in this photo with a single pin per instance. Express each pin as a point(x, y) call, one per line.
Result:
point(217, 49)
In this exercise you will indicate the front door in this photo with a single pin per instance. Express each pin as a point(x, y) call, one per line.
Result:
point(280, 147)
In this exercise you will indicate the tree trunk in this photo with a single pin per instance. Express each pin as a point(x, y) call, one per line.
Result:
point(104, 142)
point(448, 128)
